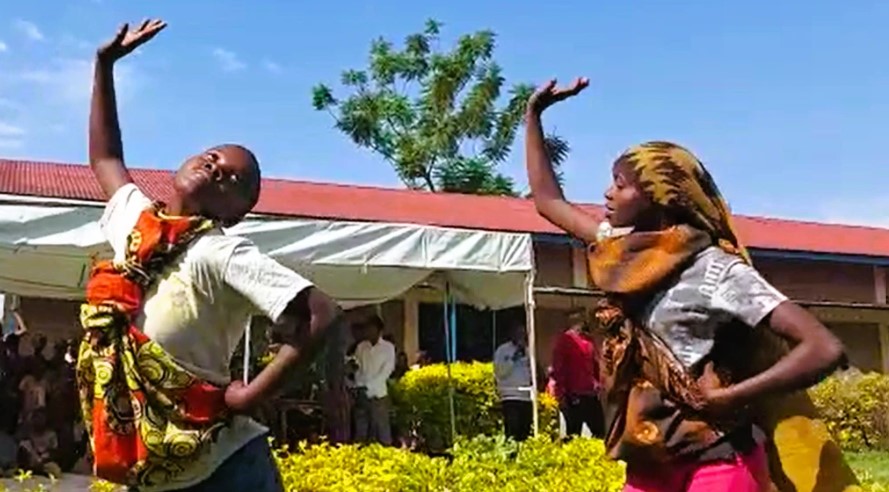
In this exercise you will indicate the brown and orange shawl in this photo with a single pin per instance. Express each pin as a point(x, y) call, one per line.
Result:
point(653, 401)
point(147, 417)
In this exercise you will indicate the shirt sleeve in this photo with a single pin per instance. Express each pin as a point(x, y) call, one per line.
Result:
point(503, 365)
point(560, 360)
point(388, 365)
point(121, 214)
point(744, 294)
point(267, 284)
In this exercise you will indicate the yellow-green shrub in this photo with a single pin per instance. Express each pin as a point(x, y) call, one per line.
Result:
point(420, 399)
point(856, 409)
point(477, 465)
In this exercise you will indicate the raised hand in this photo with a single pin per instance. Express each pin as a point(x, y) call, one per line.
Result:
point(127, 40)
point(548, 94)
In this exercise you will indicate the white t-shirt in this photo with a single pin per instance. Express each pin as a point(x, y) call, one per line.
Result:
point(513, 372)
point(200, 307)
point(376, 361)
point(714, 289)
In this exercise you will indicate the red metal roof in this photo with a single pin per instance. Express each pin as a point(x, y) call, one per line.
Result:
point(362, 203)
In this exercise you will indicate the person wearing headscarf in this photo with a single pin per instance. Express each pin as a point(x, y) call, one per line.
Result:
point(702, 389)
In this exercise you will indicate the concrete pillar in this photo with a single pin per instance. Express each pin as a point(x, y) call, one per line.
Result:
point(879, 285)
point(411, 327)
point(579, 276)
point(880, 298)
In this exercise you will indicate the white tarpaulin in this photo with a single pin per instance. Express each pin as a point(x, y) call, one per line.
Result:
point(46, 248)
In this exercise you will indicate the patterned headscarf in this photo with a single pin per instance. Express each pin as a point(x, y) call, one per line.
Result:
point(675, 179)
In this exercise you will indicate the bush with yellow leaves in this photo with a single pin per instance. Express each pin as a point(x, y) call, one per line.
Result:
point(421, 404)
point(477, 465)
point(855, 407)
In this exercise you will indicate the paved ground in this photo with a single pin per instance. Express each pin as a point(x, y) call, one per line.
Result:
point(68, 483)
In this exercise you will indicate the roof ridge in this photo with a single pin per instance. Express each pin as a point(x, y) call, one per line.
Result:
point(276, 179)
point(321, 185)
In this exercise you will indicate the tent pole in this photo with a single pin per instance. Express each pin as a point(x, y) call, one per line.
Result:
point(449, 357)
point(494, 330)
point(247, 339)
point(453, 326)
point(532, 346)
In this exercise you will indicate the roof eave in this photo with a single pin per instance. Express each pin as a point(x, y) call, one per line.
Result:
point(779, 254)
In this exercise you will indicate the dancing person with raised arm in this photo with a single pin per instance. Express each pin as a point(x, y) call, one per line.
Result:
point(704, 362)
point(163, 319)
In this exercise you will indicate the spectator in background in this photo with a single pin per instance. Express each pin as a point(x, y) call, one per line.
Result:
point(423, 360)
point(33, 387)
point(39, 346)
point(401, 365)
point(512, 369)
point(12, 368)
point(14, 323)
point(576, 376)
point(39, 449)
point(376, 362)
point(62, 415)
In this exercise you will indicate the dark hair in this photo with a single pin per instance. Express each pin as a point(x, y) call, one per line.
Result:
point(256, 184)
point(251, 189)
point(375, 322)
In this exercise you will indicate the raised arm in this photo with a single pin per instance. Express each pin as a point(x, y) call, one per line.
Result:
point(545, 189)
point(105, 144)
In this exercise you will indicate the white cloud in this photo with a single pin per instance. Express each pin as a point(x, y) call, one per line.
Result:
point(228, 60)
point(29, 30)
point(69, 80)
point(56, 93)
point(75, 43)
point(272, 66)
point(3, 47)
point(11, 143)
point(8, 130)
point(11, 136)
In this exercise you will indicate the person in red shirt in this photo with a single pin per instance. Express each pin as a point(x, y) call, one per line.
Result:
point(575, 372)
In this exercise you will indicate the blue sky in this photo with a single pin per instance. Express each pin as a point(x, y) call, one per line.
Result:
point(786, 102)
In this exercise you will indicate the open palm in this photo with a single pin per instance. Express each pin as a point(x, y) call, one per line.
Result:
point(548, 94)
point(127, 40)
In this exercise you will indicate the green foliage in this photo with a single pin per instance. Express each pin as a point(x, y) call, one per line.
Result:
point(323, 467)
point(478, 465)
point(853, 405)
point(856, 409)
point(434, 114)
point(872, 468)
point(422, 406)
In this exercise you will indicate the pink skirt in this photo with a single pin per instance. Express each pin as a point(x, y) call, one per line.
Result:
point(747, 473)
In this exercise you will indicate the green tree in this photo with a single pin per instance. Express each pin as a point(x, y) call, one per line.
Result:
point(434, 114)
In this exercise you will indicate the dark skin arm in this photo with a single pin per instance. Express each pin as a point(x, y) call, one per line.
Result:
point(816, 353)
point(105, 144)
point(545, 189)
point(308, 318)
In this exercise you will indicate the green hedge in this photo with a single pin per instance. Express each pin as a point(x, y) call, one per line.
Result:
point(420, 400)
point(855, 406)
point(856, 409)
point(477, 465)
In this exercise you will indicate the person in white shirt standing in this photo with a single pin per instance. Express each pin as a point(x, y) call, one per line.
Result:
point(195, 309)
point(512, 369)
point(376, 361)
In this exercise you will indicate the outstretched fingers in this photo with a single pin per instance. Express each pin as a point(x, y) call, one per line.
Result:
point(579, 85)
point(121, 33)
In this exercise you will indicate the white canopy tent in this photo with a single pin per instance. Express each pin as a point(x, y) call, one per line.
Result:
point(48, 245)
